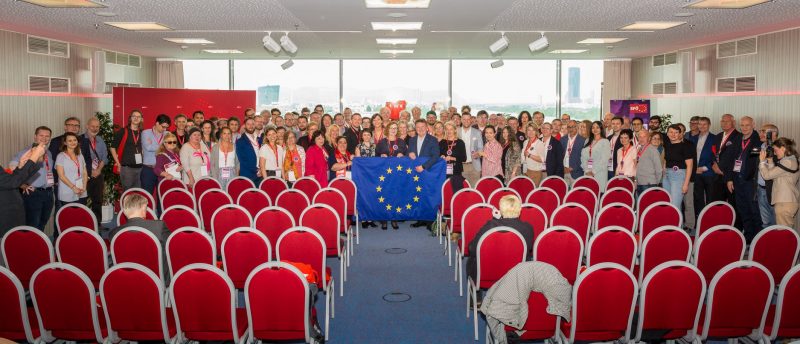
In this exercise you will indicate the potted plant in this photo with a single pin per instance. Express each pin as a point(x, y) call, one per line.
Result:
point(113, 188)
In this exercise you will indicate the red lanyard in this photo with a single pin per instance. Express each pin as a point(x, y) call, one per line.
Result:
point(530, 143)
point(224, 157)
point(724, 140)
point(744, 145)
point(181, 138)
point(342, 157)
point(46, 163)
point(590, 148)
point(274, 151)
point(641, 151)
point(392, 145)
point(324, 153)
point(571, 142)
point(450, 146)
point(378, 136)
point(77, 165)
point(93, 143)
point(355, 132)
point(625, 151)
point(158, 140)
point(135, 136)
point(253, 142)
point(174, 158)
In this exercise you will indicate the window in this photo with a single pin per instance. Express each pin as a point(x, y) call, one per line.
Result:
point(581, 82)
point(205, 74)
point(518, 85)
point(305, 84)
point(369, 84)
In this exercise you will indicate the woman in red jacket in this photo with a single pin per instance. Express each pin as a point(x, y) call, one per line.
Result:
point(317, 159)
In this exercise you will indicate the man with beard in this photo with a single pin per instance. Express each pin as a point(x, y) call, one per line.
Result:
point(247, 148)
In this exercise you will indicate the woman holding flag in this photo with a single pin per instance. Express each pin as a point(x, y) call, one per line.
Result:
point(391, 146)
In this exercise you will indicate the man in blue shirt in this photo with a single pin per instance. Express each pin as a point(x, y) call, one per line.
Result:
point(37, 193)
point(151, 140)
point(96, 159)
point(247, 148)
point(423, 145)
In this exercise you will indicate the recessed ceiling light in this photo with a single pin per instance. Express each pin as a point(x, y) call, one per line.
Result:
point(396, 26)
point(223, 51)
point(66, 3)
point(601, 40)
point(396, 41)
point(397, 3)
point(397, 15)
point(568, 51)
point(725, 3)
point(684, 14)
point(397, 51)
point(189, 40)
point(652, 25)
point(105, 14)
point(139, 26)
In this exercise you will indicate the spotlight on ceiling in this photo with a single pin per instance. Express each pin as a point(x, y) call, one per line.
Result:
point(288, 64)
point(271, 45)
point(539, 44)
point(500, 45)
point(497, 64)
point(288, 45)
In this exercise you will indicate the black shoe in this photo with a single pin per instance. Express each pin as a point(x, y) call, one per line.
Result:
point(429, 226)
point(394, 225)
point(417, 224)
point(383, 226)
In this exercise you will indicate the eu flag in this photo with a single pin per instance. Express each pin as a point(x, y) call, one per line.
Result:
point(392, 189)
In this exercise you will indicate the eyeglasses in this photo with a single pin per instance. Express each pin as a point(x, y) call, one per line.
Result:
point(170, 142)
point(72, 125)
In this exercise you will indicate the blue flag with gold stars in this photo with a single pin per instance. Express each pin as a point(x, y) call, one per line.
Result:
point(392, 189)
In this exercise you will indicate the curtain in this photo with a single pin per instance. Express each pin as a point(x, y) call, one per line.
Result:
point(616, 81)
point(169, 74)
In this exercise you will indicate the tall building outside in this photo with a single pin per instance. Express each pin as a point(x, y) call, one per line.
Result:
point(574, 85)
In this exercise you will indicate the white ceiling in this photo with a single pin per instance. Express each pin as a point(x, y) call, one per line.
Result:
point(240, 24)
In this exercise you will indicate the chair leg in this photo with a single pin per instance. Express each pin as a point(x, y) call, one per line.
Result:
point(469, 296)
point(327, 314)
point(439, 226)
point(333, 300)
point(344, 276)
point(460, 279)
point(475, 312)
point(449, 248)
point(358, 230)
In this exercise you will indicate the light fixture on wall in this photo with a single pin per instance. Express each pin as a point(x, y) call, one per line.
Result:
point(500, 45)
point(288, 45)
point(270, 44)
point(540, 44)
point(497, 64)
point(288, 64)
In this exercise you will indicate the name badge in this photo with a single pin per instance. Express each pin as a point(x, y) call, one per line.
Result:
point(737, 166)
point(449, 169)
point(203, 171)
point(50, 179)
point(78, 183)
point(348, 175)
point(95, 164)
point(225, 172)
point(138, 158)
point(589, 164)
point(610, 165)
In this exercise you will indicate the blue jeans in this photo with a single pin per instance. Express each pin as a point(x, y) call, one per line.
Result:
point(148, 179)
point(766, 209)
point(673, 183)
point(38, 207)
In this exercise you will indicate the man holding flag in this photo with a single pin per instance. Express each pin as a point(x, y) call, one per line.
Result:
point(423, 145)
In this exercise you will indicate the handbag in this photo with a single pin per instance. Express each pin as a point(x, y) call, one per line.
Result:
point(121, 149)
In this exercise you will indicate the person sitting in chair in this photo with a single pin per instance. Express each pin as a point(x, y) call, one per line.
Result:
point(134, 206)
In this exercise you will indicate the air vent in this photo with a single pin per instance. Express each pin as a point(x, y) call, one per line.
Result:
point(670, 88)
point(122, 59)
point(658, 60)
point(111, 57)
point(114, 57)
point(741, 47)
point(726, 85)
point(38, 84)
point(58, 48)
point(110, 86)
point(746, 84)
point(44, 46)
point(134, 61)
point(726, 49)
point(59, 85)
point(665, 59)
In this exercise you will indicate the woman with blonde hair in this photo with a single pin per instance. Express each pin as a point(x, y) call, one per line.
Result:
point(438, 131)
point(168, 160)
point(510, 207)
point(224, 163)
point(584, 128)
point(294, 157)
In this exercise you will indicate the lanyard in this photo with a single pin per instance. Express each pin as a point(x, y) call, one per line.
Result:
point(158, 139)
point(77, 165)
point(46, 163)
point(571, 142)
point(392, 145)
point(355, 132)
point(641, 151)
point(530, 143)
point(625, 151)
point(224, 156)
point(590, 148)
point(254, 143)
point(745, 143)
point(378, 136)
point(725, 138)
point(93, 143)
point(173, 158)
point(274, 149)
point(324, 153)
point(202, 155)
point(181, 138)
point(135, 135)
point(450, 146)
point(345, 157)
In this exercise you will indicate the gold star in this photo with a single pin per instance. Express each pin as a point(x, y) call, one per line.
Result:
point(419, 189)
point(408, 171)
point(388, 207)
point(379, 188)
point(389, 170)
point(399, 167)
point(382, 178)
point(380, 199)
point(416, 178)
point(408, 206)
point(398, 209)
point(416, 199)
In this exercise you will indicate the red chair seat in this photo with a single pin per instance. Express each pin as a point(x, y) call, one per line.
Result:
point(723, 332)
point(590, 335)
point(20, 335)
point(81, 335)
point(152, 335)
point(783, 333)
point(241, 323)
point(332, 252)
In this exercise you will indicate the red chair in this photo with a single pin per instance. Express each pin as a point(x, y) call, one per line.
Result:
point(536, 217)
point(714, 214)
point(179, 216)
point(308, 185)
point(294, 201)
point(540, 325)
point(603, 300)
point(545, 198)
point(775, 247)
point(522, 185)
point(499, 250)
point(133, 302)
point(209, 202)
point(718, 247)
point(738, 300)
point(584, 197)
point(612, 245)
point(175, 197)
point(75, 215)
point(204, 305)
point(187, 246)
point(658, 215)
point(237, 185)
point(575, 216)
point(253, 200)
point(617, 195)
point(304, 245)
point(444, 210)
point(85, 250)
point(561, 247)
point(663, 245)
point(204, 184)
point(462, 200)
point(273, 186)
point(556, 184)
point(123, 219)
point(350, 192)
point(278, 304)
point(589, 183)
point(324, 220)
point(621, 182)
point(227, 218)
point(335, 199)
point(17, 321)
point(151, 202)
point(140, 246)
point(475, 217)
point(783, 320)
point(273, 221)
point(671, 299)
point(170, 184)
point(487, 185)
point(494, 198)
point(25, 249)
point(616, 214)
point(243, 249)
point(650, 196)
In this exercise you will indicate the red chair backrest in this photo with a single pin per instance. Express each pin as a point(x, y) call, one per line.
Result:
point(714, 214)
point(589, 183)
point(14, 321)
point(650, 196)
point(447, 195)
point(539, 324)
point(475, 217)
point(137, 245)
point(26, 249)
point(556, 184)
point(179, 216)
point(295, 201)
point(574, 216)
point(273, 221)
point(227, 218)
point(672, 296)
point(603, 300)
point(658, 215)
point(175, 197)
point(616, 214)
point(188, 246)
point(738, 299)
point(133, 301)
point(151, 202)
point(494, 198)
point(621, 182)
point(776, 247)
point(169, 184)
point(584, 197)
point(277, 302)
point(499, 250)
point(663, 245)
point(309, 186)
point(545, 198)
point(75, 215)
point(487, 185)
point(149, 215)
point(273, 186)
point(203, 185)
point(560, 247)
point(243, 249)
point(324, 220)
point(522, 185)
point(617, 195)
point(208, 204)
point(612, 245)
point(303, 245)
point(203, 300)
point(349, 190)
point(85, 250)
point(716, 248)
point(253, 200)
point(535, 216)
point(335, 199)
point(462, 200)
point(787, 318)
point(237, 185)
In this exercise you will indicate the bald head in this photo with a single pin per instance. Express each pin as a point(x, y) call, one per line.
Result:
point(746, 124)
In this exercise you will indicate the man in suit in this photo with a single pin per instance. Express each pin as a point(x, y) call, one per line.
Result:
point(553, 154)
point(572, 143)
point(616, 127)
point(726, 156)
point(473, 142)
point(705, 178)
point(741, 180)
point(423, 145)
point(352, 133)
point(135, 209)
point(247, 148)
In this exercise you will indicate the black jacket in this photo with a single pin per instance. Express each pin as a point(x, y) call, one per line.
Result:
point(554, 163)
point(749, 161)
point(727, 153)
point(520, 226)
point(353, 137)
point(617, 146)
point(12, 213)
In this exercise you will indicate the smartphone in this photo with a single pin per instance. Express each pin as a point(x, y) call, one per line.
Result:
point(34, 145)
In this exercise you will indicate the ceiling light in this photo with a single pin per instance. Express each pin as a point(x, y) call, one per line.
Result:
point(725, 4)
point(652, 25)
point(66, 3)
point(397, 51)
point(684, 14)
point(189, 40)
point(397, 15)
point(500, 45)
point(105, 14)
point(139, 26)
point(288, 45)
point(270, 44)
point(540, 44)
point(396, 41)
point(396, 26)
point(397, 3)
point(601, 40)
point(497, 64)
point(568, 51)
point(288, 64)
point(223, 51)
